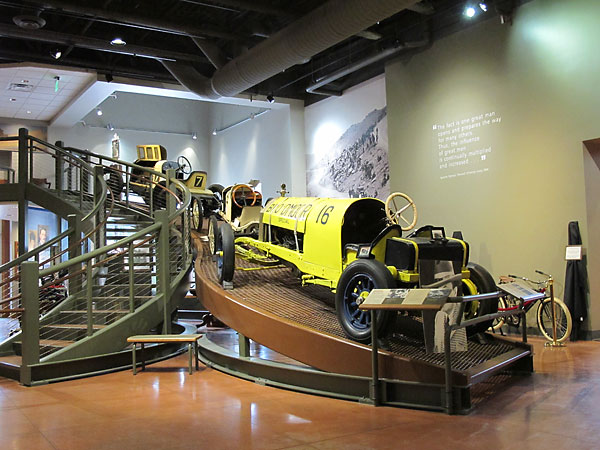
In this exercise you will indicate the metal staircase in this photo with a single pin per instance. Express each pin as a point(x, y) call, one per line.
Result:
point(114, 269)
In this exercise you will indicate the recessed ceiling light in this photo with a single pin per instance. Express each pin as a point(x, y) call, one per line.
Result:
point(118, 41)
point(28, 112)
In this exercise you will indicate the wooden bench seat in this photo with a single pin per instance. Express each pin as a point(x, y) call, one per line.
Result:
point(191, 339)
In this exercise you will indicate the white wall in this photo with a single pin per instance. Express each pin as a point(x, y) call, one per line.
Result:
point(98, 141)
point(258, 149)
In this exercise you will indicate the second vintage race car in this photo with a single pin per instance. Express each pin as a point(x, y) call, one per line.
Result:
point(353, 246)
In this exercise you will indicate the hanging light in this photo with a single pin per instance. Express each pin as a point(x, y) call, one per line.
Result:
point(110, 126)
point(270, 98)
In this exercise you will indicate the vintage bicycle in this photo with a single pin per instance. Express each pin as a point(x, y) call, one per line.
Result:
point(507, 302)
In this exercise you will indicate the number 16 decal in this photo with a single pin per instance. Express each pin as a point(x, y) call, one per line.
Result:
point(324, 214)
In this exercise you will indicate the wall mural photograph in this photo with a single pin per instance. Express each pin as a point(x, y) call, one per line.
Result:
point(356, 163)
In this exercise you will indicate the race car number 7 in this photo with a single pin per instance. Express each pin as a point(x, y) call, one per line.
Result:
point(324, 214)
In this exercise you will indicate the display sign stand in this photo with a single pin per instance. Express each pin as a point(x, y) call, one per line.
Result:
point(428, 301)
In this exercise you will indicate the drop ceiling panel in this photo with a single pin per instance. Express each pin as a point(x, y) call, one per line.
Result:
point(42, 101)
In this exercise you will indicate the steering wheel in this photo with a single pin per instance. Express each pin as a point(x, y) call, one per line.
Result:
point(184, 165)
point(395, 213)
point(243, 188)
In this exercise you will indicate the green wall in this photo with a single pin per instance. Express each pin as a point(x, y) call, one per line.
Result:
point(539, 79)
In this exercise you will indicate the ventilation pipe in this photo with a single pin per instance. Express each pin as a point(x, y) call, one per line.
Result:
point(320, 29)
point(312, 89)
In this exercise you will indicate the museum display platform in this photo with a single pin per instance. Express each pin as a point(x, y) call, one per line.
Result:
point(271, 307)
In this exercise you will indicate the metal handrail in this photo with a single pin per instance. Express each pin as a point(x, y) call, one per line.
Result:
point(102, 199)
point(32, 253)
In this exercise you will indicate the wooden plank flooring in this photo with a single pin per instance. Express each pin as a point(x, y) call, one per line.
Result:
point(558, 407)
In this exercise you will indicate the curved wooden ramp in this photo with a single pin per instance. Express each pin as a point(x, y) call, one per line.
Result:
point(272, 308)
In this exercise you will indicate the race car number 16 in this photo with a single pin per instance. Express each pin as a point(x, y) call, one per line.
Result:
point(324, 214)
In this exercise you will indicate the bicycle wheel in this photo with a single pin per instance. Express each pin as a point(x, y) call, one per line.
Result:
point(499, 322)
point(564, 322)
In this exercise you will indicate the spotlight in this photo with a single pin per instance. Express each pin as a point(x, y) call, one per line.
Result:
point(270, 98)
point(194, 136)
point(56, 53)
point(214, 132)
point(470, 11)
point(483, 6)
point(110, 126)
point(118, 42)
point(99, 111)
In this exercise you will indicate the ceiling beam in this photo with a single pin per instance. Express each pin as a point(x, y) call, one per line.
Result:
point(134, 20)
point(13, 31)
point(244, 5)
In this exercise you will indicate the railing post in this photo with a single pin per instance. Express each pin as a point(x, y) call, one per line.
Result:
point(131, 279)
point(30, 323)
point(74, 223)
point(171, 187)
point(127, 180)
point(58, 168)
point(89, 284)
point(101, 234)
point(23, 179)
point(164, 281)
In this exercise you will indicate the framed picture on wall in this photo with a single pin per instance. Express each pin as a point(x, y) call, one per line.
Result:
point(42, 234)
point(32, 239)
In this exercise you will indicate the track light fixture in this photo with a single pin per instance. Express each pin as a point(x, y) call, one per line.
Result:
point(483, 6)
point(470, 11)
point(214, 132)
point(473, 8)
point(56, 53)
point(98, 111)
point(118, 42)
point(270, 98)
point(110, 126)
point(194, 136)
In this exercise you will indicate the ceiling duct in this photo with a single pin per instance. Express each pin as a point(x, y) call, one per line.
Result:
point(313, 88)
point(320, 29)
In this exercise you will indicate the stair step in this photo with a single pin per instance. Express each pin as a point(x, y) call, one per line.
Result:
point(117, 297)
point(73, 326)
point(97, 311)
point(55, 343)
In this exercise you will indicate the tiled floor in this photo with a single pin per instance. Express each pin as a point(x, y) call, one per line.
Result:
point(165, 408)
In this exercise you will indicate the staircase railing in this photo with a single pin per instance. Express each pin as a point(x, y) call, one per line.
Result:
point(61, 304)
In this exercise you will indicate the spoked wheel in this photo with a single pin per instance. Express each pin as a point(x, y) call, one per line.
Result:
point(357, 280)
point(197, 214)
point(213, 229)
point(498, 323)
point(395, 207)
point(225, 251)
point(184, 165)
point(564, 323)
point(484, 283)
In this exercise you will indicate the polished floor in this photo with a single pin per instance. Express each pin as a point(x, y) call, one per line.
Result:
point(165, 408)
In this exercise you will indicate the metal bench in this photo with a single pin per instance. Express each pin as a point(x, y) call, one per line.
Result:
point(191, 339)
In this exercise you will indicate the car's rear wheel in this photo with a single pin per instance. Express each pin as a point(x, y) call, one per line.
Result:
point(357, 280)
point(484, 283)
point(213, 229)
point(225, 251)
point(197, 214)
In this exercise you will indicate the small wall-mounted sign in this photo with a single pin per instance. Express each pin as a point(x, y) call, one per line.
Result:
point(573, 253)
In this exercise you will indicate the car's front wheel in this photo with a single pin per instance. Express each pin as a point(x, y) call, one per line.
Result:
point(356, 282)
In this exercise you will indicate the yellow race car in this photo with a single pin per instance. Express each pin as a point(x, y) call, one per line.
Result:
point(352, 246)
point(151, 187)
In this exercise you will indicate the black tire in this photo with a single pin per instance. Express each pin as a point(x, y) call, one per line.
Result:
point(358, 279)
point(484, 283)
point(159, 196)
point(197, 214)
point(225, 251)
point(213, 230)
